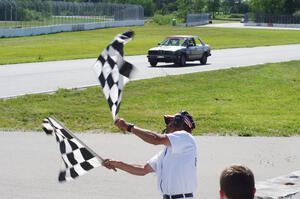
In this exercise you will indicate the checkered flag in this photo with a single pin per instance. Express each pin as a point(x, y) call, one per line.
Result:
point(113, 72)
point(77, 157)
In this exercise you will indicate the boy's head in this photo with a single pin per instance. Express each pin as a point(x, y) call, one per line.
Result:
point(237, 182)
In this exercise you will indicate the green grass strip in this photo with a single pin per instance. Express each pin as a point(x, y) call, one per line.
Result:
point(260, 100)
point(88, 44)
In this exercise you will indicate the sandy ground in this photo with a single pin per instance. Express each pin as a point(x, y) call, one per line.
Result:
point(30, 163)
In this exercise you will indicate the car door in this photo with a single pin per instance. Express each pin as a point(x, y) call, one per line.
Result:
point(193, 48)
point(189, 50)
point(199, 50)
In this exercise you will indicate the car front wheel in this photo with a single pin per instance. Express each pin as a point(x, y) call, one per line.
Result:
point(153, 63)
point(182, 60)
point(203, 59)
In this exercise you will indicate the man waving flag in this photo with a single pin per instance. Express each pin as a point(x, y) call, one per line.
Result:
point(113, 72)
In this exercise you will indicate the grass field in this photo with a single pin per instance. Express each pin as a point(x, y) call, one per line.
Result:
point(260, 100)
point(88, 44)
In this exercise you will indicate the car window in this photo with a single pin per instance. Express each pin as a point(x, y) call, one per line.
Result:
point(184, 42)
point(173, 42)
point(192, 42)
point(164, 42)
point(197, 41)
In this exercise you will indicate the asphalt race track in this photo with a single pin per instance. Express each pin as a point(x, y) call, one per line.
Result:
point(21, 79)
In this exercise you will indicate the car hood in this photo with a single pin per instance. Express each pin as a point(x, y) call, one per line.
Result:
point(167, 48)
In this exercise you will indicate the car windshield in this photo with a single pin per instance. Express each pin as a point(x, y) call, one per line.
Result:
point(174, 41)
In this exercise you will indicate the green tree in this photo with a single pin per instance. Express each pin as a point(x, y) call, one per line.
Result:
point(275, 6)
point(184, 7)
point(291, 6)
point(233, 6)
point(148, 5)
point(213, 6)
point(199, 6)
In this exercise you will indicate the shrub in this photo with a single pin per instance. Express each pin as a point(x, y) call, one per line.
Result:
point(297, 13)
point(236, 15)
point(30, 15)
point(163, 19)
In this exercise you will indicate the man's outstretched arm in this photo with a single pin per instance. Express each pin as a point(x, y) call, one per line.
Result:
point(144, 134)
point(130, 168)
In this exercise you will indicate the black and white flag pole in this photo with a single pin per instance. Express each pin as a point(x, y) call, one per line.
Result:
point(77, 157)
point(113, 72)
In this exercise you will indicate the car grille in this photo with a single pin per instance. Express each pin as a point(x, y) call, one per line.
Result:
point(160, 52)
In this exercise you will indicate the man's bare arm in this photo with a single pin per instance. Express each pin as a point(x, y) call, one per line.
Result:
point(134, 169)
point(144, 134)
point(151, 137)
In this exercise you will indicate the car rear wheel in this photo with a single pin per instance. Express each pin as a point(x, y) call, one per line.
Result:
point(203, 59)
point(153, 63)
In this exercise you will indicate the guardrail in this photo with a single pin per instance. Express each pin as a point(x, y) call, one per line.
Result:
point(197, 19)
point(22, 18)
point(268, 20)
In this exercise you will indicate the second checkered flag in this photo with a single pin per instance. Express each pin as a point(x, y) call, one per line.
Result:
point(77, 157)
point(113, 72)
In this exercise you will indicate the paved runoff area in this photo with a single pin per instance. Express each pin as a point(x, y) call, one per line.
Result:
point(286, 186)
point(30, 163)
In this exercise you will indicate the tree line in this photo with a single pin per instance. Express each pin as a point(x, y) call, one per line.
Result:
point(178, 8)
point(151, 7)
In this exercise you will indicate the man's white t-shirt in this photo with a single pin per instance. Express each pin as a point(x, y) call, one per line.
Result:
point(176, 165)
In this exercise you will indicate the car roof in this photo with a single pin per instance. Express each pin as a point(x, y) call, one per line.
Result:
point(181, 36)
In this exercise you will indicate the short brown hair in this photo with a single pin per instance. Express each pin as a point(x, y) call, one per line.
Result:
point(237, 182)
